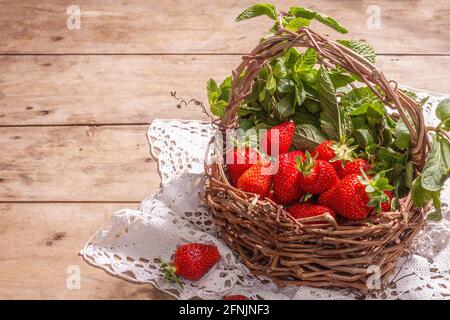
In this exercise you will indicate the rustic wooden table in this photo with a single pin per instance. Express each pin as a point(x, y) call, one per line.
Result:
point(75, 106)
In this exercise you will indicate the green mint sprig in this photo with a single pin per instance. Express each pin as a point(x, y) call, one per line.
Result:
point(428, 186)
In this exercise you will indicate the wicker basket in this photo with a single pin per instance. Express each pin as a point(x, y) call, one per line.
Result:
point(319, 254)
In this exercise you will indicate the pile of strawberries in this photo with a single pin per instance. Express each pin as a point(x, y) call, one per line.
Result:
point(329, 180)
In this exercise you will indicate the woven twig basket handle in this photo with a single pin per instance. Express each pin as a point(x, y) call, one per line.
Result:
point(331, 54)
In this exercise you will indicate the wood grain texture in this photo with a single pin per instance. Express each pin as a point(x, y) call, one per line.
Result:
point(40, 241)
point(103, 89)
point(136, 89)
point(205, 26)
point(76, 164)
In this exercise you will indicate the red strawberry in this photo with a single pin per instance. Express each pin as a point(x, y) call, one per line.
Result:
point(324, 151)
point(285, 182)
point(328, 197)
point(351, 167)
point(307, 210)
point(350, 197)
point(191, 261)
point(386, 206)
point(253, 180)
point(285, 135)
point(316, 176)
point(235, 297)
point(241, 159)
point(333, 152)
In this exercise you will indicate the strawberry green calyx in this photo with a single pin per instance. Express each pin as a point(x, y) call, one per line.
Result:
point(307, 165)
point(343, 150)
point(169, 273)
point(376, 188)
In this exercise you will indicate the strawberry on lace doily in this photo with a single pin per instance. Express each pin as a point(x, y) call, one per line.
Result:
point(132, 246)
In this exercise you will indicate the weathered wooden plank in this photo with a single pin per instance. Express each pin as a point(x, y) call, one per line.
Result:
point(39, 242)
point(201, 26)
point(76, 164)
point(136, 89)
point(103, 89)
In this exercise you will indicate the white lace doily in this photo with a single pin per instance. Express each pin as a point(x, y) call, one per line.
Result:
point(131, 247)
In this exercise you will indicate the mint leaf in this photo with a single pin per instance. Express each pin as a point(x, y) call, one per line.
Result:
point(409, 174)
point(308, 76)
point(271, 83)
point(258, 10)
point(437, 166)
point(376, 109)
point(306, 61)
point(443, 109)
point(218, 108)
point(362, 48)
point(364, 137)
point(218, 96)
point(297, 23)
point(307, 137)
point(371, 107)
point(443, 113)
point(312, 106)
point(362, 109)
point(300, 94)
point(285, 85)
point(330, 117)
point(402, 136)
point(290, 57)
point(286, 107)
point(358, 100)
point(245, 124)
point(280, 70)
point(212, 91)
point(421, 197)
point(311, 14)
point(262, 95)
point(390, 160)
point(225, 88)
point(340, 80)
